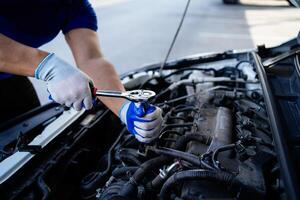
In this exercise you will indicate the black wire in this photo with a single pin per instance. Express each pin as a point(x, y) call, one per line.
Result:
point(147, 81)
point(169, 132)
point(240, 62)
point(175, 36)
point(160, 94)
point(176, 99)
point(204, 163)
point(218, 150)
point(110, 151)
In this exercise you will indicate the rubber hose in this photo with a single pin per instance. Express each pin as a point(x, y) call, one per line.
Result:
point(131, 186)
point(129, 158)
point(179, 145)
point(161, 160)
point(123, 170)
point(178, 154)
point(179, 177)
point(138, 176)
point(130, 155)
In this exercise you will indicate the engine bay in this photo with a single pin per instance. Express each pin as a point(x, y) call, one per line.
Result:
point(216, 142)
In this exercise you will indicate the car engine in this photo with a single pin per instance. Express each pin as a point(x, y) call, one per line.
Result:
point(215, 142)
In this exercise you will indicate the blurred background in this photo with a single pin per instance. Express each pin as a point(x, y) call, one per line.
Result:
point(136, 32)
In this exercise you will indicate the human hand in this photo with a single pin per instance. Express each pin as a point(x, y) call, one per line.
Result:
point(66, 84)
point(145, 124)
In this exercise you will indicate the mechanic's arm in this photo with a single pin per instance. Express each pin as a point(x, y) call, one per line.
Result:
point(86, 50)
point(18, 59)
point(61, 78)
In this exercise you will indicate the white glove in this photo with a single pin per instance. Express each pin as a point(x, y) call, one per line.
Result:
point(66, 84)
point(144, 124)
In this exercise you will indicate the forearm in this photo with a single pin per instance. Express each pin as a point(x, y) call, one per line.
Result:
point(86, 50)
point(19, 59)
point(104, 77)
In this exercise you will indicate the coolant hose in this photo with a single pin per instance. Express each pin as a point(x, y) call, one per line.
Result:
point(188, 175)
point(118, 172)
point(167, 154)
point(129, 156)
point(130, 187)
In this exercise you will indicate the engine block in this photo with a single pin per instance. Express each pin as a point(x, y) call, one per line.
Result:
point(215, 141)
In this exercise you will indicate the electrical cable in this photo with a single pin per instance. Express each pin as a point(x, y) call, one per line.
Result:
point(43, 187)
point(175, 36)
point(217, 151)
point(241, 62)
point(94, 179)
point(195, 175)
point(176, 99)
point(169, 132)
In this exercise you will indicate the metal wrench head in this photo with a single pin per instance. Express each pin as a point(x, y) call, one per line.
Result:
point(139, 95)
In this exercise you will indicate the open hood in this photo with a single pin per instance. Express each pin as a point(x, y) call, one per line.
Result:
point(231, 131)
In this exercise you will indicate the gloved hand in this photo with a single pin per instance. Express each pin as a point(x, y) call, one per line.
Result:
point(66, 84)
point(145, 125)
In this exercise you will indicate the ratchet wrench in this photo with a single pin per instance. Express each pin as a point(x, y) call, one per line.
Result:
point(133, 95)
point(140, 97)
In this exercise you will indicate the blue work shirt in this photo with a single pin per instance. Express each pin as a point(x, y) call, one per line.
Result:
point(36, 22)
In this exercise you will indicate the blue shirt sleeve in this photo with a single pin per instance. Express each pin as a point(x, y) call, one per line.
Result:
point(81, 15)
